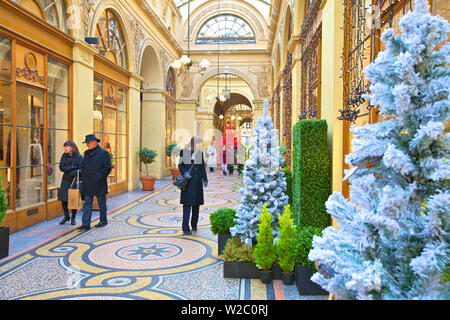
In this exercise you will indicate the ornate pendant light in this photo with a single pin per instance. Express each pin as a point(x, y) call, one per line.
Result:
point(185, 62)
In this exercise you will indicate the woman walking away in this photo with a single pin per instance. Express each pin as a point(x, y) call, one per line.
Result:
point(70, 164)
point(211, 154)
point(192, 167)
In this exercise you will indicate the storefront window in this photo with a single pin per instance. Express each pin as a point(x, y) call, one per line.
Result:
point(5, 117)
point(30, 153)
point(58, 131)
point(5, 59)
point(110, 125)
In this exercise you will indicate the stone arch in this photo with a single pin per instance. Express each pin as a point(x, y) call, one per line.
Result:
point(208, 10)
point(198, 84)
point(117, 10)
point(150, 67)
point(287, 32)
point(74, 20)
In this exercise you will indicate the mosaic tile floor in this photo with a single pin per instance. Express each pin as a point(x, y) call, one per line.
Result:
point(140, 254)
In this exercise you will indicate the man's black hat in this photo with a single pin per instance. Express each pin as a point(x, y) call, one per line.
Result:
point(91, 137)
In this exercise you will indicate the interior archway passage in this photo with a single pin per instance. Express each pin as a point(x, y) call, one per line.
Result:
point(224, 108)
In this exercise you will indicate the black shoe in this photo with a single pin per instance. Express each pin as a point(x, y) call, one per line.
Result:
point(187, 233)
point(194, 230)
point(64, 220)
point(72, 220)
point(101, 224)
point(84, 228)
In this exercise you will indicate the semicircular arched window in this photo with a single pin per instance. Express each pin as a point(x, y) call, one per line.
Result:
point(111, 41)
point(226, 28)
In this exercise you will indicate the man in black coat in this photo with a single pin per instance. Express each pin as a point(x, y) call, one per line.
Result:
point(95, 169)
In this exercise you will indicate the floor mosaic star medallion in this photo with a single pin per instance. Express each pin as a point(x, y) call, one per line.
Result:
point(149, 251)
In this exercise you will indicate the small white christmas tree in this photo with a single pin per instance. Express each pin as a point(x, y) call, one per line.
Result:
point(393, 236)
point(264, 182)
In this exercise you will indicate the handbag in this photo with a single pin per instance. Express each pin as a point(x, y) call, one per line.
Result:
point(74, 201)
point(181, 181)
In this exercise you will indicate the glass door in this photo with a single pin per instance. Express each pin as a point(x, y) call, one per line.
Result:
point(30, 148)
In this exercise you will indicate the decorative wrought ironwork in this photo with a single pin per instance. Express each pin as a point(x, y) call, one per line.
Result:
point(362, 30)
point(277, 106)
point(311, 37)
point(287, 103)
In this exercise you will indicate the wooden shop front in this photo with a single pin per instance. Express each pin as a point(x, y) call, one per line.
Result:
point(35, 114)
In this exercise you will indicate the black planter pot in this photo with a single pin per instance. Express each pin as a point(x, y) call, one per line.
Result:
point(248, 270)
point(304, 284)
point(4, 242)
point(222, 241)
point(288, 278)
point(231, 269)
point(266, 276)
point(276, 272)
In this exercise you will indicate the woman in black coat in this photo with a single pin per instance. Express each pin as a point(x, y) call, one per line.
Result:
point(192, 195)
point(70, 164)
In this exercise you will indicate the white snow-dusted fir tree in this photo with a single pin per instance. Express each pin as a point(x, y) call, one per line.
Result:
point(393, 236)
point(264, 182)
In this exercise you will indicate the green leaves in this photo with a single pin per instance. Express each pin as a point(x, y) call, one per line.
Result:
point(146, 155)
point(311, 170)
point(3, 202)
point(303, 244)
point(264, 251)
point(222, 220)
point(286, 241)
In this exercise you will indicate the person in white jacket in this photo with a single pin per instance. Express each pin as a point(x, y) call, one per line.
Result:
point(211, 155)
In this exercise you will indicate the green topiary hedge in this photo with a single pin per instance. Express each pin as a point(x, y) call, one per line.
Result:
point(3, 202)
point(311, 170)
point(222, 220)
point(303, 244)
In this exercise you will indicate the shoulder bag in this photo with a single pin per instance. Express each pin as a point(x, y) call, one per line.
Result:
point(180, 181)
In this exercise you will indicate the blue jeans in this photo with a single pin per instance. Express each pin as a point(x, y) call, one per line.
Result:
point(187, 215)
point(87, 209)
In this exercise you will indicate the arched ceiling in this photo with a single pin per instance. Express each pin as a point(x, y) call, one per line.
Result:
point(262, 6)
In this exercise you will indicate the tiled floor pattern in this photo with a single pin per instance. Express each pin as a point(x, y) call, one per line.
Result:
point(140, 254)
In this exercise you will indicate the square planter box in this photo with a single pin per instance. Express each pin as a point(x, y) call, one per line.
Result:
point(276, 272)
point(222, 241)
point(4, 242)
point(231, 269)
point(248, 270)
point(304, 284)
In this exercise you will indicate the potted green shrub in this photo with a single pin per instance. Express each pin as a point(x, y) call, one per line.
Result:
point(221, 222)
point(147, 156)
point(247, 265)
point(4, 231)
point(264, 251)
point(286, 245)
point(229, 255)
point(304, 268)
point(172, 150)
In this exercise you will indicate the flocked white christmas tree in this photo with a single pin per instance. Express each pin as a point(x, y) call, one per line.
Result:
point(264, 182)
point(393, 236)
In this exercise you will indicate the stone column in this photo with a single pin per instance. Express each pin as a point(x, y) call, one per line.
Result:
point(257, 110)
point(332, 85)
point(134, 131)
point(186, 121)
point(83, 91)
point(153, 129)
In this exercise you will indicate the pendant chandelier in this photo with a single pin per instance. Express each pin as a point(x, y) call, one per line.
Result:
point(185, 62)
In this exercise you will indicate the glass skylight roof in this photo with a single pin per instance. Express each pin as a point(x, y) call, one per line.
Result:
point(226, 28)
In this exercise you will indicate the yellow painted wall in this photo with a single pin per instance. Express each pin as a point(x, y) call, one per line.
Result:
point(332, 86)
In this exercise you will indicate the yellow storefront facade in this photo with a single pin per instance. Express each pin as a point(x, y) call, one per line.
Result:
point(58, 85)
